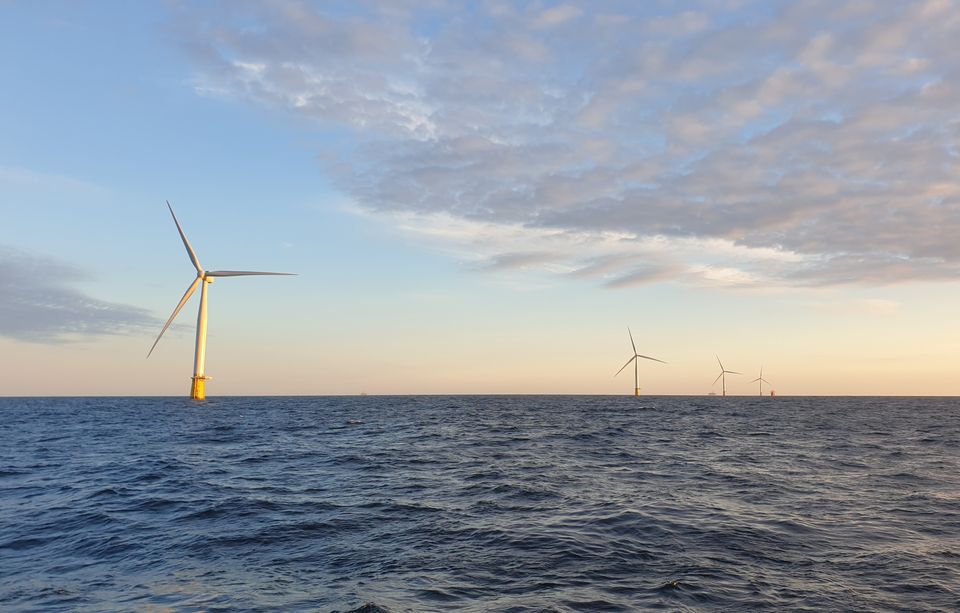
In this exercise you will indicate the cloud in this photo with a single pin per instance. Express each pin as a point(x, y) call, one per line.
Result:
point(520, 260)
point(823, 132)
point(38, 304)
point(643, 275)
point(557, 15)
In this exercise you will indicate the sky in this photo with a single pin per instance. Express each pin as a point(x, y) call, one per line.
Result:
point(481, 197)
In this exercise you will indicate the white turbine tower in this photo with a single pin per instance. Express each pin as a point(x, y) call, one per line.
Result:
point(723, 375)
point(761, 380)
point(636, 368)
point(204, 277)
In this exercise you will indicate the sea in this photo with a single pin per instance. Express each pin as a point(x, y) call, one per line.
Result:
point(370, 504)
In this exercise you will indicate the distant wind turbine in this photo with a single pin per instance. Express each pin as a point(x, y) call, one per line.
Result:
point(723, 375)
point(760, 379)
point(636, 368)
point(204, 277)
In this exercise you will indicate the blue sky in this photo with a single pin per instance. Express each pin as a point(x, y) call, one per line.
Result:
point(480, 198)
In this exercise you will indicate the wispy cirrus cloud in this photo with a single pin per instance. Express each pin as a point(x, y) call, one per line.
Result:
point(38, 303)
point(785, 143)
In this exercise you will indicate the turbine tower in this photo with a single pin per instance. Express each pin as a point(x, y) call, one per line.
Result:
point(723, 375)
point(204, 278)
point(636, 368)
point(761, 380)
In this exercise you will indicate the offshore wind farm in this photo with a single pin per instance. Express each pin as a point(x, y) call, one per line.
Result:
point(431, 216)
point(477, 198)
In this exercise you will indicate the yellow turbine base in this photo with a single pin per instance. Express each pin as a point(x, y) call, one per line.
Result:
point(636, 392)
point(198, 388)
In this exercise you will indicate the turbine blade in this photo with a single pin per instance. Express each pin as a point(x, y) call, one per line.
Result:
point(719, 362)
point(625, 365)
point(244, 273)
point(757, 379)
point(176, 311)
point(732, 372)
point(717, 379)
point(632, 344)
point(646, 357)
point(186, 243)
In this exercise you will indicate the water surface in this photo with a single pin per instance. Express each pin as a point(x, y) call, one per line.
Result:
point(487, 503)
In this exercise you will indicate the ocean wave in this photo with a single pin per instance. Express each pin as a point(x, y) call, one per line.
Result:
point(398, 504)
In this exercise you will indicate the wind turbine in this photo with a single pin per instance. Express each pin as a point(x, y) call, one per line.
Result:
point(760, 379)
point(204, 278)
point(723, 375)
point(636, 368)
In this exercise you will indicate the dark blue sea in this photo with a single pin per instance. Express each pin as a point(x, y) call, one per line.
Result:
point(480, 503)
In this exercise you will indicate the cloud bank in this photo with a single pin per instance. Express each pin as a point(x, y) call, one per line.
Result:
point(737, 143)
point(38, 304)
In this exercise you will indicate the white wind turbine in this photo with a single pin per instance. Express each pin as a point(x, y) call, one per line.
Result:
point(723, 375)
point(761, 380)
point(204, 277)
point(636, 368)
